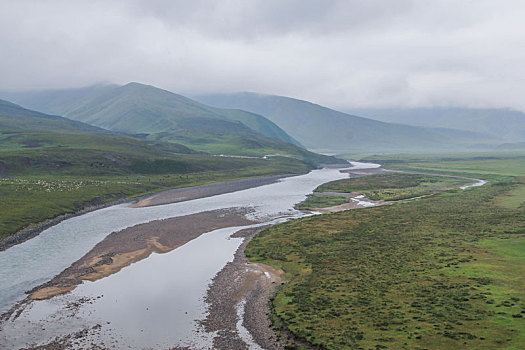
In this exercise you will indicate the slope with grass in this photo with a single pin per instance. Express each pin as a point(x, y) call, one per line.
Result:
point(324, 129)
point(158, 114)
point(51, 166)
point(443, 272)
point(393, 186)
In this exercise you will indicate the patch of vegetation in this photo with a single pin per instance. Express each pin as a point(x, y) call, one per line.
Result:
point(34, 194)
point(513, 199)
point(497, 166)
point(393, 186)
point(444, 272)
point(320, 201)
point(51, 165)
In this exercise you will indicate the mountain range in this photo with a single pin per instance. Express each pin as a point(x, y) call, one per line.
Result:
point(156, 114)
point(32, 142)
point(257, 124)
point(502, 124)
point(324, 129)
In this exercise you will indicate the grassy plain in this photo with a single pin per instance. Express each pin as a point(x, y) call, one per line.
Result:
point(321, 201)
point(393, 186)
point(40, 183)
point(491, 165)
point(443, 272)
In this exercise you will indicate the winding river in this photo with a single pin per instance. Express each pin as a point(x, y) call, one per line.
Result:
point(154, 302)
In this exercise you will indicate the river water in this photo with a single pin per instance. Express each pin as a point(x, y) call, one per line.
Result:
point(152, 303)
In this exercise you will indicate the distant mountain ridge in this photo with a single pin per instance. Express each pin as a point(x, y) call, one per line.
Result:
point(504, 124)
point(140, 109)
point(322, 128)
point(158, 115)
point(36, 143)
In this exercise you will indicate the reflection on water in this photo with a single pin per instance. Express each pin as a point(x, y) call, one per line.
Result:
point(154, 301)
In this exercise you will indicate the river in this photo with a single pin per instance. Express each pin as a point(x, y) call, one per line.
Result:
point(151, 303)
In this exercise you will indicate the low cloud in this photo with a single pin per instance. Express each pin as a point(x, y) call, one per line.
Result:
point(338, 53)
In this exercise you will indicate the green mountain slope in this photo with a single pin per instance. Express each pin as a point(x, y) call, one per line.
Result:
point(51, 166)
point(321, 128)
point(33, 143)
point(141, 109)
point(157, 115)
point(17, 118)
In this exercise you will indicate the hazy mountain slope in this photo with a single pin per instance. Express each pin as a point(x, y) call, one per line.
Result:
point(508, 125)
point(321, 128)
point(32, 143)
point(157, 115)
point(24, 128)
point(55, 102)
point(17, 118)
point(515, 146)
point(141, 109)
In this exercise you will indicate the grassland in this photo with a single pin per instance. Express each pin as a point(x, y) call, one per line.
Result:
point(321, 201)
point(392, 186)
point(491, 165)
point(38, 194)
point(46, 174)
point(443, 272)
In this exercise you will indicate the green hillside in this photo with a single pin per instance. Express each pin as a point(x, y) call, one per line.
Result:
point(156, 114)
point(15, 118)
point(324, 129)
point(51, 165)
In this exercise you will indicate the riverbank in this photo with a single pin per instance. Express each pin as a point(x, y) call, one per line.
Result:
point(203, 191)
point(122, 248)
point(163, 197)
point(137, 242)
point(414, 266)
point(387, 187)
point(238, 302)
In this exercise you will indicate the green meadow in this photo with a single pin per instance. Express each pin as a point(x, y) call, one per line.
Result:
point(68, 172)
point(321, 201)
point(393, 186)
point(441, 272)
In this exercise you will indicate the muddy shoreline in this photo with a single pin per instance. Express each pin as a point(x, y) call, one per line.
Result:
point(163, 197)
point(247, 287)
point(122, 248)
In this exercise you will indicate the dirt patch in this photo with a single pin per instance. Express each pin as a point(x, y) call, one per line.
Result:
point(208, 190)
point(32, 143)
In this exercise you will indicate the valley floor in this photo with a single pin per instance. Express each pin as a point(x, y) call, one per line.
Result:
point(443, 271)
point(32, 204)
point(439, 272)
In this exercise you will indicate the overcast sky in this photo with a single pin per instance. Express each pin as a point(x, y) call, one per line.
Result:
point(346, 53)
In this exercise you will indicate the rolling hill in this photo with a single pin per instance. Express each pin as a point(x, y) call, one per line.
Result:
point(42, 141)
point(324, 129)
point(158, 114)
point(51, 166)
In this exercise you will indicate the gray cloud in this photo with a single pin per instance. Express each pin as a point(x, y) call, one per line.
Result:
point(339, 53)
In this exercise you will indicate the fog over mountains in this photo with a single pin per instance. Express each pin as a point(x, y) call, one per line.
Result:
point(251, 123)
point(503, 124)
point(325, 129)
